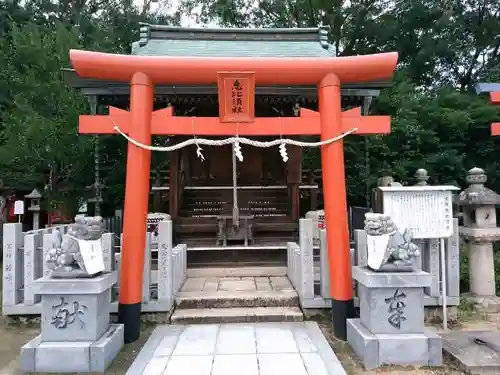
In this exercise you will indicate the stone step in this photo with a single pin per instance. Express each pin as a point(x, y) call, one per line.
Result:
point(236, 272)
point(206, 300)
point(237, 315)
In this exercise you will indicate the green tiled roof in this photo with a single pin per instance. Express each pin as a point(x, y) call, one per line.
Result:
point(158, 40)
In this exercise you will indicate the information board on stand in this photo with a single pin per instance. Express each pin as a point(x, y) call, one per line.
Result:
point(425, 210)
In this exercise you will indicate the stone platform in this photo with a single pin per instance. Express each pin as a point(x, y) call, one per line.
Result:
point(375, 350)
point(477, 352)
point(65, 356)
point(390, 330)
point(291, 348)
point(75, 332)
point(213, 299)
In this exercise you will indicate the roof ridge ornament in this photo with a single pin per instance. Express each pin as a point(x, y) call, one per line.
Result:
point(144, 33)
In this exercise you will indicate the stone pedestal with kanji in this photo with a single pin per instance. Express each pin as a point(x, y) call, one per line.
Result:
point(391, 329)
point(76, 335)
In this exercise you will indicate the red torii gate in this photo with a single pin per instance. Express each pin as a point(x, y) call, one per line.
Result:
point(495, 98)
point(143, 72)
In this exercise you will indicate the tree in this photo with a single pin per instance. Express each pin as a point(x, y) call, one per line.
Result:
point(444, 48)
point(39, 131)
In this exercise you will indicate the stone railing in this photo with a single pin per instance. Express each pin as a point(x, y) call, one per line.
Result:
point(308, 266)
point(24, 252)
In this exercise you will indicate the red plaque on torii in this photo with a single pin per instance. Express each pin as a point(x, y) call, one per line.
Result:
point(236, 96)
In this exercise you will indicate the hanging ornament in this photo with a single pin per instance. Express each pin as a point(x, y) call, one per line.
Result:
point(283, 153)
point(237, 151)
point(198, 152)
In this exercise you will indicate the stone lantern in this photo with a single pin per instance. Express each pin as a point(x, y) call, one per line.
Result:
point(34, 200)
point(480, 230)
point(377, 194)
point(422, 176)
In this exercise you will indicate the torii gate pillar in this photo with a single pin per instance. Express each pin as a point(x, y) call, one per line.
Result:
point(335, 203)
point(135, 206)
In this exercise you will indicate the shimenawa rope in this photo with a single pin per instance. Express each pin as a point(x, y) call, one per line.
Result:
point(281, 142)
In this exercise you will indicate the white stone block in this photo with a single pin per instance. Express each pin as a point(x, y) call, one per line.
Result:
point(12, 264)
point(453, 263)
point(306, 258)
point(32, 265)
point(146, 279)
point(165, 267)
point(431, 264)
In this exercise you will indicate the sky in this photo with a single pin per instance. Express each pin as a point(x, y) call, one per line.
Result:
point(173, 5)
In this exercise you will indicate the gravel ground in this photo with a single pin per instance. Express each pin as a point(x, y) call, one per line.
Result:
point(13, 336)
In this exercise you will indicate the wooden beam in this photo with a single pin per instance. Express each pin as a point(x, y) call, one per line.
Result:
point(164, 123)
point(270, 71)
point(352, 119)
point(495, 128)
point(104, 124)
point(104, 87)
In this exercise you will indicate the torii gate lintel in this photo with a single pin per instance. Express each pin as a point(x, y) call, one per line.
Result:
point(163, 122)
point(141, 123)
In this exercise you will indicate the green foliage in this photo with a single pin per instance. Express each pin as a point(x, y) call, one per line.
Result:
point(39, 124)
point(445, 48)
point(39, 144)
point(438, 122)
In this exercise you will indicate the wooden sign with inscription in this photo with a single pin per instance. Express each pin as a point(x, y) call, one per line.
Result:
point(236, 96)
point(425, 210)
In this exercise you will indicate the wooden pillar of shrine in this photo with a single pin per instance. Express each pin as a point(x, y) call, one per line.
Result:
point(294, 178)
point(156, 194)
point(186, 153)
point(174, 179)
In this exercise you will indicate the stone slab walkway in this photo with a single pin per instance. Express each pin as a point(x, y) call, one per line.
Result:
point(476, 351)
point(236, 284)
point(291, 348)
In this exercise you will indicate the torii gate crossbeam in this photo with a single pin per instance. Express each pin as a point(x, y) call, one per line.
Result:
point(143, 72)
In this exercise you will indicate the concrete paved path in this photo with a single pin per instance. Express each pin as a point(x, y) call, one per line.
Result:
point(289, 348)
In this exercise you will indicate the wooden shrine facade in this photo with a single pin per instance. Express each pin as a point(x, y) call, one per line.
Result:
point(195, 192)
